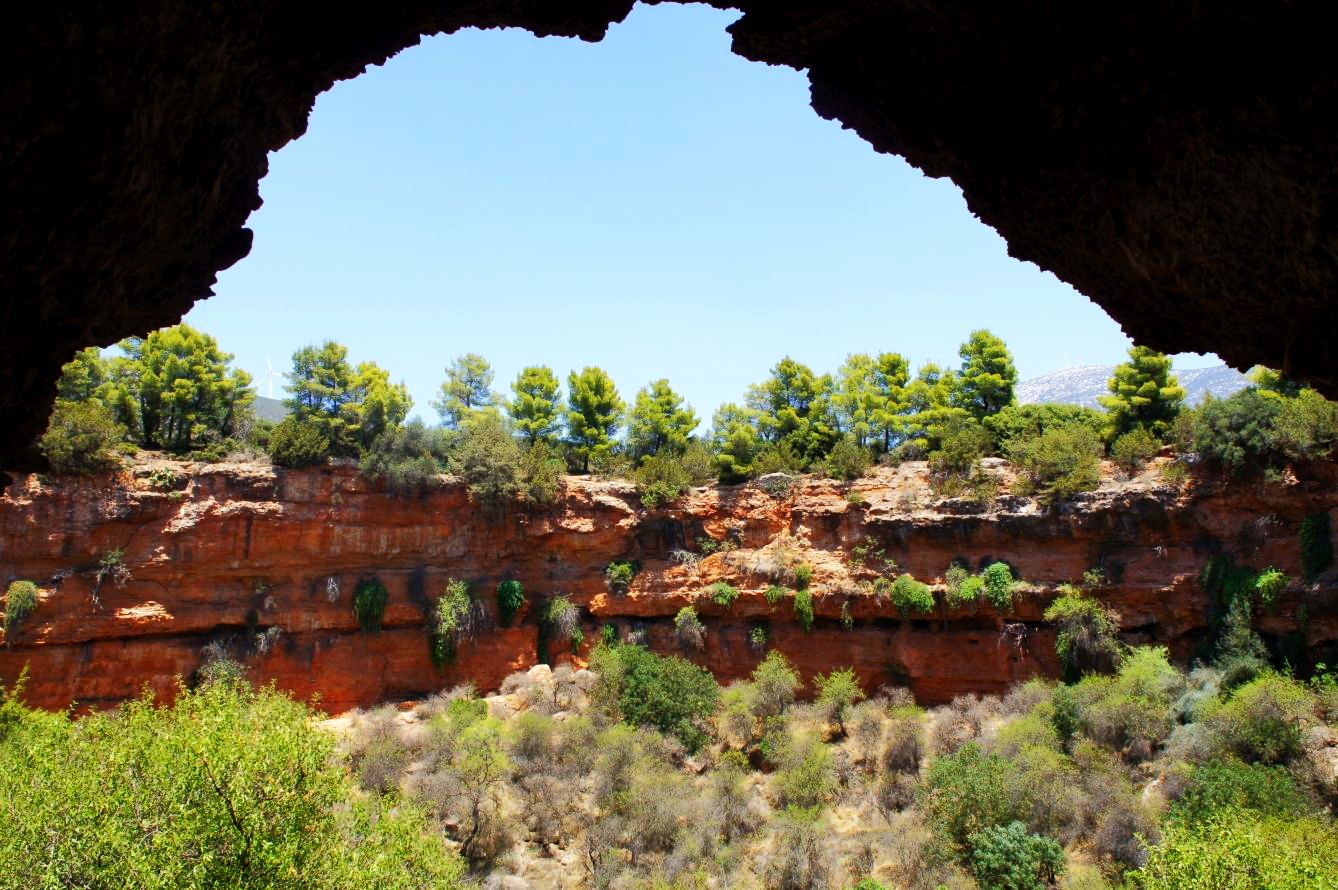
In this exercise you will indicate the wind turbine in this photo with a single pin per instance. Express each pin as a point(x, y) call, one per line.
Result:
point(272, 374)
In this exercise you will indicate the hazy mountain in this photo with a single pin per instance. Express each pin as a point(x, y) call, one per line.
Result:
point(269, 409)
point(1082, 384)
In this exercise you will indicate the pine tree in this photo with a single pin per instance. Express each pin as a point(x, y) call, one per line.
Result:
point(986, 380)
point(467, 388)
point(659, 421)
point(534, 409)
point(381, 405)
point(1144, 394)
point(594, 413)
point(794, 408)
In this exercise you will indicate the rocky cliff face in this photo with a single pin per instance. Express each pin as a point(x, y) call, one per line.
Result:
point(228, 552)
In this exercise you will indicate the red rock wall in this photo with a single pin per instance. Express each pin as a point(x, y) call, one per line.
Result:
point(238, 549)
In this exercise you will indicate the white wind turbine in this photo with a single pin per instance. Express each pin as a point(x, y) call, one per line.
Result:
point(272, 374)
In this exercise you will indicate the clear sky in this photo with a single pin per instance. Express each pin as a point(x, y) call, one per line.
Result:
point(652, 204)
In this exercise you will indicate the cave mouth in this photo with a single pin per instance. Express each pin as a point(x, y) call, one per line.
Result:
point(486, 176)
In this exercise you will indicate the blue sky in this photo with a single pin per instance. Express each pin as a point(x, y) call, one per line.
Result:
point(651, 204)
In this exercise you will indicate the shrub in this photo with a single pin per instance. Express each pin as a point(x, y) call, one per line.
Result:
point(1227, 783)
point(405, 459)
point(688, 629)
point(80, 438)
point(775, 593)
point(1025, 422)
point(1238, 433)
point(1130, 712)
point(774, 684)
point(1061, 462)
point(904, 741)
point(806, 777)
point(510, 599)
point(968, 592)
point(20, 601)
point(488, 458)
point(723, 594)
point(667, 692)
point(618, 575)
point(837, 691)
point(298, 443)
point(1270, 584)
point(1007, 857)
point(997, 584)
point(1085, 634)
point(661, 478)
point(962, 443)
point(541, 474)
point(1263, 719)
point(369, 604)
point(1133, 449)
point(1307, 426)
point(564, 619)
point(1237, 848)
point(1316, 544)
point(966, 792)
point(803, 609)
point(757, 639)
point(912, 597)
point(847, 460)
point(803, 576)
point(457, 618)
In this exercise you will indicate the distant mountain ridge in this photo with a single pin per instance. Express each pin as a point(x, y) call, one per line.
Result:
point(1081, 385)
point(269, 409)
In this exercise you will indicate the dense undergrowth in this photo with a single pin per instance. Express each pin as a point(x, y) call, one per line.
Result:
point(641, 772)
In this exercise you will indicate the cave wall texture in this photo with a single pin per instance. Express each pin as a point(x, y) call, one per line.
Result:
point(1173, 161)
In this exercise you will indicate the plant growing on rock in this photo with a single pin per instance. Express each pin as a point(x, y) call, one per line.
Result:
point(369, 604)
point(111, 567)
point(803, 576)
point(803, 609)
point(564, 619)
point(1085, 640)
point(757, 639)
point(911, 597)
point(510, 599)
point(456, 618)
point(998, 585)
point(723, 594)
point(618, 576)
point(1270, 584)
point(775, 593)
point(20, 601)
point(689, 630)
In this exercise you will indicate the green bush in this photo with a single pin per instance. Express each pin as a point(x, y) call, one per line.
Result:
point(1239, 433)
point(1270, 584)
point(962, 443)
point(667, 692)
point(663, 477)
point(807, 777)
point(563, 618)
point(1263, 720)
point(968, 592)
point(966, 792)
point(775, 593)
point(1316, 544)
point(1085, 634)
point(369, 604)
point(1060, 462)
point(997, 583)
point(1133, 449)
point(1307, 426)
point(618, 575)
point(81, 438)
point(803, 609)
point(689, 630)
point(489, 461)
point(455, 619)
point(1130, 712)
point(297, 443)
point(848, 461)
point(1008, 858)
point(20, 601)
point(911, 597)
point(837, 691)
point(1026, 422)
point(406, 459)
point(803, 576)
point(227, 787)
point(1240, 849)
point(1224, 783)
point(723, 594)
point(774, 684)
point(510, 599)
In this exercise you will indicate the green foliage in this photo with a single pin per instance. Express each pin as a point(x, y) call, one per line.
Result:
point(455, 619)
point(298, 443)
point(1241, 850)
point(775, 593)
point(837, 691)
point(966, 792)
point(1130, 712)
point(594, 413)
point(848, 460)
point(757, 639)
point(667, 692)
point(688, 628)
point(80, 438)
point(618, 575)
point(774, 684)
point(378, 407)
point(962, 443)
point(322, 394)
point(1270, 584)
point(723, 594)
point(225, 788)
point(1006, 857)
point(466, 389)
point(488, 459)
point(807, 777)
point(534, 407)
point(736, 443)
point(1307, 426)
point(564, 619)
point(997, 583)
point(869, 398)
point(1143, 395)
point(1316, 544)
point(1060, 462)
point(541, 474)
point(1263, 720)
point(985, 383)
point(406, 459)
point(1133, 449)
point(1085, 634)
point(803, 576)
point(793, 407)
point(1227, 783)
point(369, 604)
point(510, 599)
point(659, 422)
point(20, 601)
point(803, 609)
point(1233, 644)
point(1239, 434)
point(967, 592)
point(1020, 423)
point(912, 597)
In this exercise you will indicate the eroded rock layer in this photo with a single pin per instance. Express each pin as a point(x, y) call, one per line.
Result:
point(1178, 163)
point(230, 551)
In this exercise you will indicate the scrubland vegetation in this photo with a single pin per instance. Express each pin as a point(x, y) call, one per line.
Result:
point(174, 392)
point(642, 772)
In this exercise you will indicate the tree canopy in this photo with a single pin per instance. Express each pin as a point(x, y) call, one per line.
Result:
point(1143, 394)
